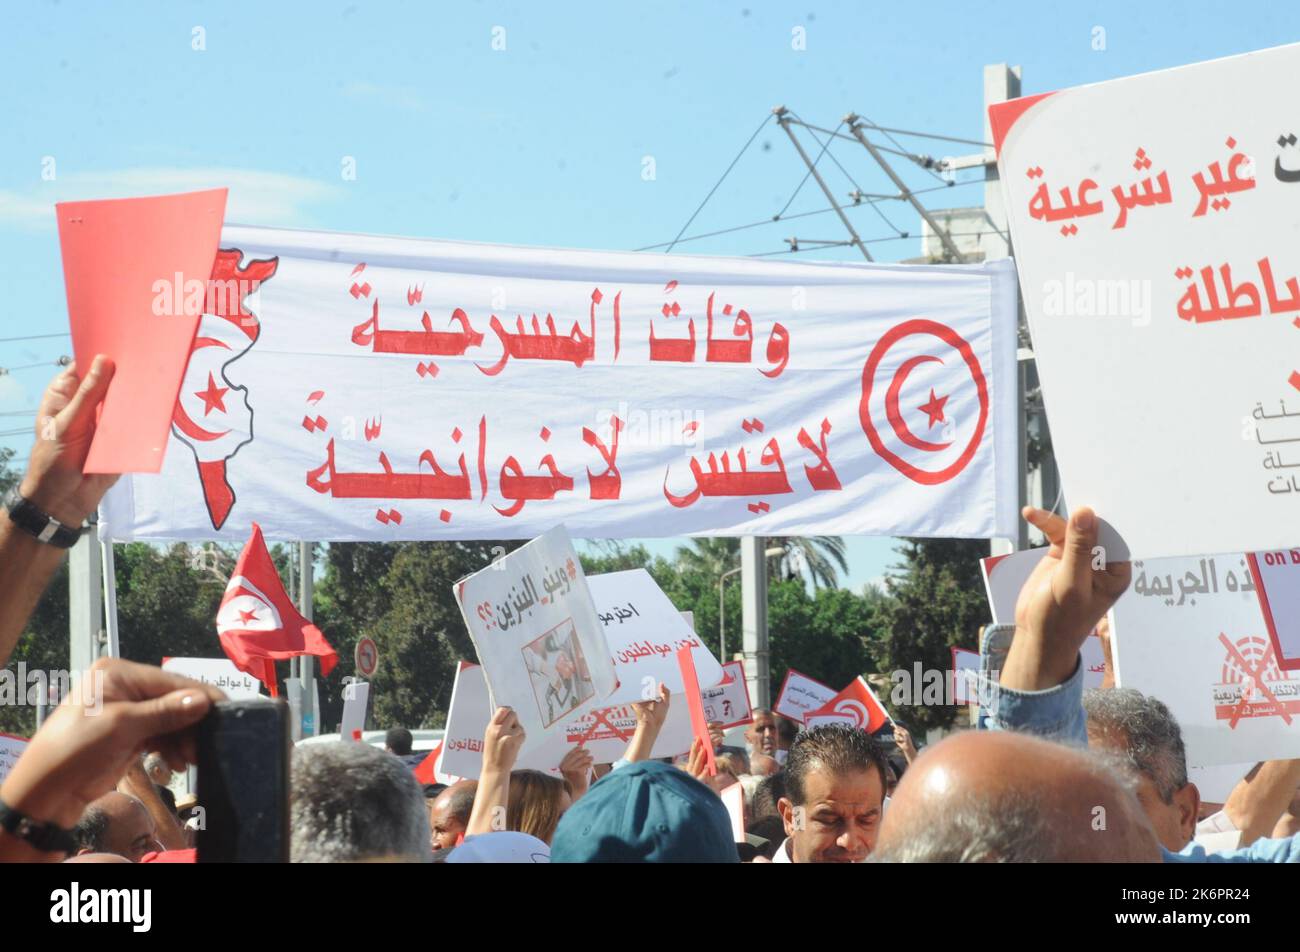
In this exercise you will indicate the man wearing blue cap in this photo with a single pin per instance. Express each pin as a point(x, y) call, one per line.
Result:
point(646, 812)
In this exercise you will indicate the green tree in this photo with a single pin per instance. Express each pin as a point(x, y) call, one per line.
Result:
point(936, 603)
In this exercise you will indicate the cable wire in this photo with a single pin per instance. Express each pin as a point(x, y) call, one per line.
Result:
point(721, 180)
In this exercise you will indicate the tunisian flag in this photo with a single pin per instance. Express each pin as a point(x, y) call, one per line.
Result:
point(856, 706)
point(257, 622)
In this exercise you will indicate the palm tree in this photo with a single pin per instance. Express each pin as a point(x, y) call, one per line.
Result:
point(820, 555)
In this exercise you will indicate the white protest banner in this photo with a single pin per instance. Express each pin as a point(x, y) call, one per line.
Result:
point(11, 748)
point(534, 625)
point(800, 694)
point(356, 694)
point(727, 702)
point(1277, 582)
point(373, 388)
point(1190, 633)
point(643, 631)
point(1004, 576)
point(1215, 783)
point(1154, 221)
point(604, 732)
point(218, 672)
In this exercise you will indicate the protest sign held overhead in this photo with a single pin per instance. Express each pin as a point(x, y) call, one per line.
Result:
point(1190, 632)
point(727, 702)
point(362, 388)
point(1154, 222)
point(644, 631)
point(800, 694)
point(136, 273)
point(534, 625)
point(856, 706)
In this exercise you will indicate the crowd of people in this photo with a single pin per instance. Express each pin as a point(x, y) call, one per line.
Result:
point(1051, 774)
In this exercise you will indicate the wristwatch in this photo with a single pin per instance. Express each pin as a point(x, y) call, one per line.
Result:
point(32, 520)
point(46, 837)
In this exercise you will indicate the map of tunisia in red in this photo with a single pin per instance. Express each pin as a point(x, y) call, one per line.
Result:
point(213, 416)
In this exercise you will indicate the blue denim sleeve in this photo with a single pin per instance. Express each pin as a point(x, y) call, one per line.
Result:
point(1285, 850)
point(1055, 713)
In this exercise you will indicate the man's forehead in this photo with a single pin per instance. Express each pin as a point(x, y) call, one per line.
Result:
point(850, 790)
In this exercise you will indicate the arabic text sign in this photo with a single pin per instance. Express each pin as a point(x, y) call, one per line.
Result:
point(1154, 220)
point(11, 748)
point(534, 625)
point(1277, 580)
point(373, 388)
point(801, 694)
point(1190, 632)
point(727, 702)
point(644, 631)
point(218, 672)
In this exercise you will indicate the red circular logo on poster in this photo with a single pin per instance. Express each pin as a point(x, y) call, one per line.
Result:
point(925, 457)
point(366, 657)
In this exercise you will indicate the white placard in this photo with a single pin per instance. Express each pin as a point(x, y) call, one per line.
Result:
point(1154, 220)
point(11, 748)
point(604, 732)
point(376, 388)
point(801, 694)
point(534, 625)
point(643, 631)
point(356, 694)
point(1189, 631)
point(965, 674)
point(218, 672)
point(727, 701)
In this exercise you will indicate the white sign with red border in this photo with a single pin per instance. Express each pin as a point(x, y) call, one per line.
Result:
point(366, 657)
point(1277, 581)
point(728, 700)
point(800, 694)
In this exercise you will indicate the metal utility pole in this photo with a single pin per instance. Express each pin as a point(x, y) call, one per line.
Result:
point(782, 119)
point(85, 602)
point(853, 121)
point(753, 598)
point(306, 662)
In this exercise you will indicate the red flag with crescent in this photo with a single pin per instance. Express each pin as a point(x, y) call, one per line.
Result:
point(257, 622)
point(857, 705)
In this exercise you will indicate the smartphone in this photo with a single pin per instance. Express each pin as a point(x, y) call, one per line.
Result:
point(243, 782)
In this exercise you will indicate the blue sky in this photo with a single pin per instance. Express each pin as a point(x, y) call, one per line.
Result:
point(543, 142)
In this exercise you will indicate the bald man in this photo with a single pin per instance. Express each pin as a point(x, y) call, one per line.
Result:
point(983, 797)
point(449, 813)
point(117, 823)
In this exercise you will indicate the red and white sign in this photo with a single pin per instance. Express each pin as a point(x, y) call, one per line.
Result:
point(727, 702)
point(1277, 581)
point(800, 694)
point(1154, 220)
point(733, 798)
point(1190, 632)
point(350, 387)
point(366, 657)
point(856, 705)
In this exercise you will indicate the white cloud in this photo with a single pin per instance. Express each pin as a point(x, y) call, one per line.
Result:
point(262, 198)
